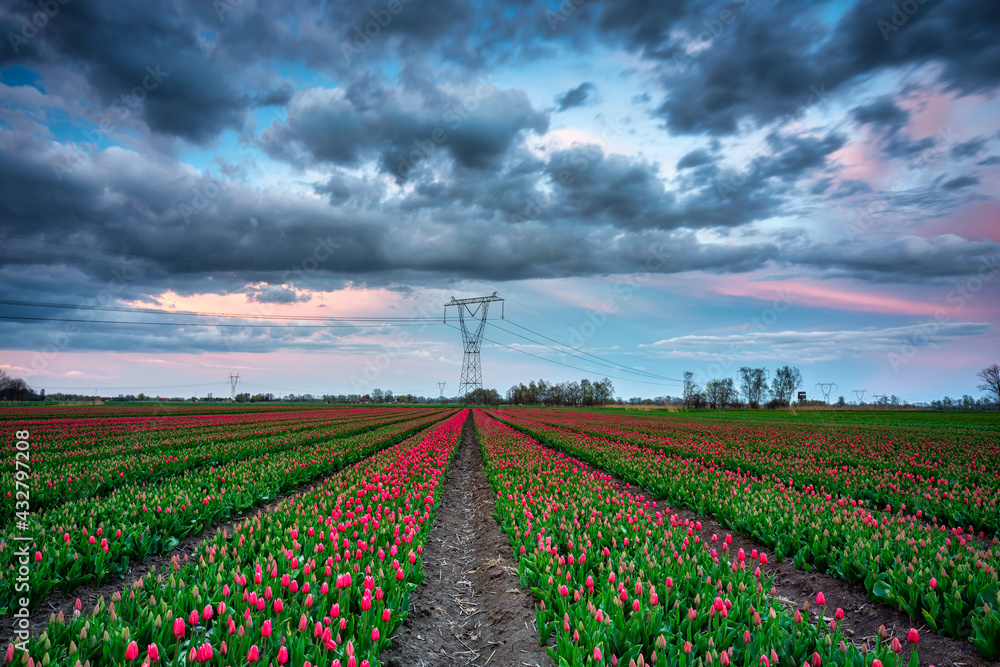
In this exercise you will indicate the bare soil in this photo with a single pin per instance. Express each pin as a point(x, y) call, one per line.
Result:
point(471, 608)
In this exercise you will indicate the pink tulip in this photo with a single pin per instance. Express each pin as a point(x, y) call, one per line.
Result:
point(132, 652)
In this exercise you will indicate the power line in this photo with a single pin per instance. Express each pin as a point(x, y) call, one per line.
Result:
point(555, 319)
point(553, 361)
point(190, 313)
point(361, 325)
point(600, 360)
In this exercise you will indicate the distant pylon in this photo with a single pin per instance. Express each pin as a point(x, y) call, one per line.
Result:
point(860, 395)
point(441, 386)
point(826, 388)
point(472, 372)
point(233, 381)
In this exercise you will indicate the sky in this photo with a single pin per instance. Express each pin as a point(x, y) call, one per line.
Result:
point(665, 187)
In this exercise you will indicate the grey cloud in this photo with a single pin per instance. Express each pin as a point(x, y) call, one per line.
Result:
point(410, 124)
point(276, 294)
point(960, 182)
point(695, 158)
point(576, 97)
point(816, 346)
point(883, 113)
point(970, 148)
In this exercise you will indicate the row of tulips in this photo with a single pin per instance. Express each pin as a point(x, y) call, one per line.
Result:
point(47, 412)
point(91, 540)
point(946, 580)
point(58, 440)
point(622, 583)
point(97, 475)
point(962, 491)
point(321, 579)
point(950, 451)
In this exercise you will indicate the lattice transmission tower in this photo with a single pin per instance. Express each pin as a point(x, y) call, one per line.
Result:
point(826, 388)
point(472, 338)
point(233, 381)
point(859, 394)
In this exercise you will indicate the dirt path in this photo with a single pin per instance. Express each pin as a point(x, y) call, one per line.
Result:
point(471, 609)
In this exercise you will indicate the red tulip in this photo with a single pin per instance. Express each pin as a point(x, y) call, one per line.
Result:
point(153, 654)
point(253, 654)
point(820, 598)
point(913, 636)
point(178, 628)
point(132, 652)
point(282, 655)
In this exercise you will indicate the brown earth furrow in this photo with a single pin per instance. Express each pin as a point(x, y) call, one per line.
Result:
point(471, 608)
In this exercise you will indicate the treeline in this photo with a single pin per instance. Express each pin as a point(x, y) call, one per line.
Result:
point(17, 389)
point(584, 392)
point(753, 390)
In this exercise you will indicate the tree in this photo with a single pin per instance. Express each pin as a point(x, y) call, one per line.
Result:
point(691, 390)
point(841, 402)
point(753, 385)
point(481, 396)
point(786, 380)
point(377, 395)
point(587, 391)
point(991, 382)
point(720, 393)
point(603, 392)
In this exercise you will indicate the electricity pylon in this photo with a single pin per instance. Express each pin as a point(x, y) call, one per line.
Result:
point(826, 388)
point(441, 386)
point(860, 395)
point(472, 341)
point(233, 381)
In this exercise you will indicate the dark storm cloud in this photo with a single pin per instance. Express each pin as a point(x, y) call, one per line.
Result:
point(907, 259)
point(575, 97)
point(410, 124)
point(113, 44)
point(764, 64)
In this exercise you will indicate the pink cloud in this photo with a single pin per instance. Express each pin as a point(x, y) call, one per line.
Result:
point(976, 221)
point(346, 302)
point(823, 294)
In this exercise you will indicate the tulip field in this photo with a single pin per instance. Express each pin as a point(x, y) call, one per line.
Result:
point(296, 536)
